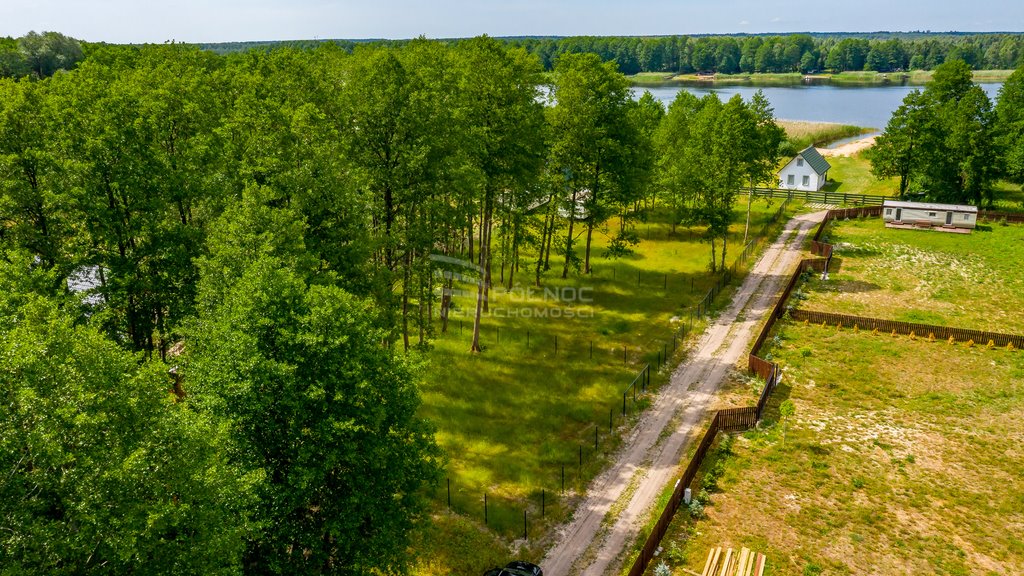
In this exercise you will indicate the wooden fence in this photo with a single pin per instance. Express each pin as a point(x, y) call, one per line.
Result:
point(1010, 217)
point(821, 196)
point(821, 249)
point(906, 328)
point(665, 520)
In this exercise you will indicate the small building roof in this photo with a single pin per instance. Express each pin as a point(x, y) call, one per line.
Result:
point(930, 206)
point(815, 160)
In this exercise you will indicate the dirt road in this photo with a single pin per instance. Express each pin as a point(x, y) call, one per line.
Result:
point(591, 544)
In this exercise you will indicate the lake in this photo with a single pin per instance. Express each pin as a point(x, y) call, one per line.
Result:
point(868, 106)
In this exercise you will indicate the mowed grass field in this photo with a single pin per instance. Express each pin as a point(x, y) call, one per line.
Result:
point(510, 417)
point(964, 280)
point(902, 457)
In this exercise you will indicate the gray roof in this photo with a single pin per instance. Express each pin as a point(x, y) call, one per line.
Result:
point(930, 206)
point(815, 160)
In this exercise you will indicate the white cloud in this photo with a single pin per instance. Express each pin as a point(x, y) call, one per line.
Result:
point(744, 22)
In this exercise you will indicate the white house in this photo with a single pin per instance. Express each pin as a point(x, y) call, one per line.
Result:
point(808, 171)
point(949, 217)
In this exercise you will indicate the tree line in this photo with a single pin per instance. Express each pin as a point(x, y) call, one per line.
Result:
point(786, 53)
point(213, 267)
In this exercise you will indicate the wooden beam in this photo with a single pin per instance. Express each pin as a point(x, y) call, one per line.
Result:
point(726, 564)
point(741, 565)
point(759, 571)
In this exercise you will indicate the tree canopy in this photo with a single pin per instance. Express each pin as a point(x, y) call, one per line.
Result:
point(941, 142)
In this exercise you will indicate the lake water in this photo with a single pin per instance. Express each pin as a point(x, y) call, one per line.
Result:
point(868, 106)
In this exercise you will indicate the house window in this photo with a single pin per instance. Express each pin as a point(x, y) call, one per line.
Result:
point(791, 180)
point(931, 214)
point(807, 180)
point(888, 211)
point(799, 161)
point(967, 216)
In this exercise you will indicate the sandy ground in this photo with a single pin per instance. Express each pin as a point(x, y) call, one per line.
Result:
point(591, 546)
point(849, 149)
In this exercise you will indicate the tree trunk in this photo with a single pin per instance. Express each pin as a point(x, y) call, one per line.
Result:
point(750, 200)
point(485, 265)
point(725, 243)
point(713, 257)
point(553, 210)
point(592, 216)
point(568, 237)
point(405, 302)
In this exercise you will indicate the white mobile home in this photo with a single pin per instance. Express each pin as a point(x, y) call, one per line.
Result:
point(807, 171)
point(950, 217)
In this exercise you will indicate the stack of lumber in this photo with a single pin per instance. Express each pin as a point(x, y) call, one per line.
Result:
point(746, 563)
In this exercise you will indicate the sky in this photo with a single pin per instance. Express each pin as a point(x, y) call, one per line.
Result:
point(130, 21)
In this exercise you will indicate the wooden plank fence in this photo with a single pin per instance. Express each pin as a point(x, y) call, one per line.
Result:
point(821, 196)
point(906, 328)
point(1010, 217)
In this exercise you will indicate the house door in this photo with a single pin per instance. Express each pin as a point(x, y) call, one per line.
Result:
point(899, 214)
point(949, 218)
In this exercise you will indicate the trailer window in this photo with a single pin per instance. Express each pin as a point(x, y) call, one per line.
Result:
point(888, 211)
point(931, 214)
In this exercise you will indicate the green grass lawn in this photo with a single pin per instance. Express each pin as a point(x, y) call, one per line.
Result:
point(903, 457)
point(965, 280)
point(511, 417)
point(853, 175)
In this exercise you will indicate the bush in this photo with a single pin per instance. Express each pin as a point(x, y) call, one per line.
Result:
point(696, 510)
point(662, 569)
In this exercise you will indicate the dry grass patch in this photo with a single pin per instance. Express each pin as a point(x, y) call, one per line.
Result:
point(970, 281)
point(903, 457)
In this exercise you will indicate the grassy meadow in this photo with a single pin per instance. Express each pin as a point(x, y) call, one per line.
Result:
point(510, 417)
point(965, 280)
point(902, 457)
point(865, 78)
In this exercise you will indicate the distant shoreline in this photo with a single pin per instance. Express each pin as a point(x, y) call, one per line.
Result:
point(853, 79)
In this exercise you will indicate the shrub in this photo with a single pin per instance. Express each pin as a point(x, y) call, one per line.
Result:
point(662, 569)
point(696, 509)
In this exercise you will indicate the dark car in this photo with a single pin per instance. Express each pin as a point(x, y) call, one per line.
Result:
point(517, 568)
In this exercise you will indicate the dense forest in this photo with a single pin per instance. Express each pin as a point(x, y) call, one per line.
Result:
point(788, 53)
point(881, 52)
point(217, 273)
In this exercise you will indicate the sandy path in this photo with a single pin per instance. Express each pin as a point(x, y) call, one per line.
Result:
point(650, 459)
point(850, 148)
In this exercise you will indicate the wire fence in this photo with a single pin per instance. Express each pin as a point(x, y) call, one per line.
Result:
point(527, 516)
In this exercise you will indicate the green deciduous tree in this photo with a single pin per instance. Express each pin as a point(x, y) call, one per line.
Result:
point(941, 142)
point(1010, 126)
point(103, 471)
point(315, 403)
point(591, 137)
point(504, 142)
